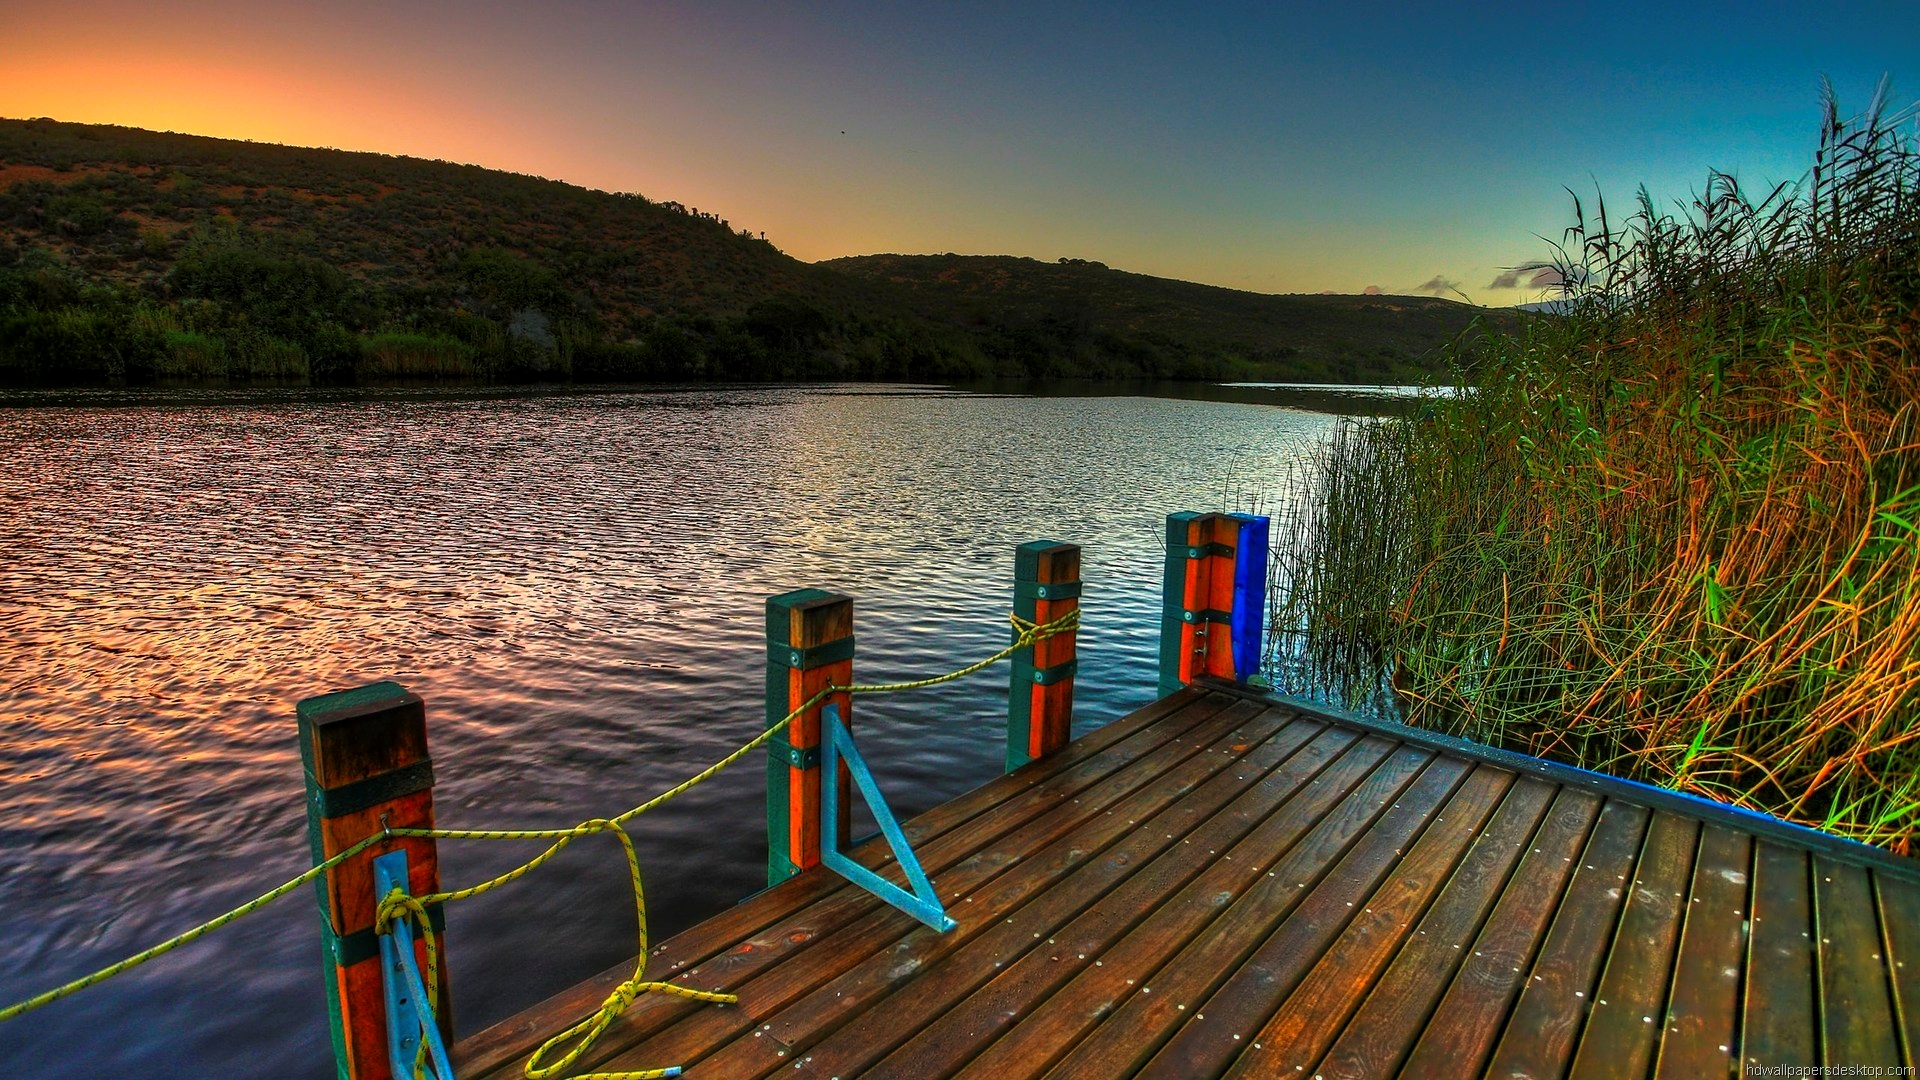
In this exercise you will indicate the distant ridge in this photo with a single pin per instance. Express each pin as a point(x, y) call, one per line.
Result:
point(1547, 307)
point(1098, 314)
point(128, 254)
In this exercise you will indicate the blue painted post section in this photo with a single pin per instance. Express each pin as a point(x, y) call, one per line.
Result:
point(406, 991)
point(1213, 598)
point(922, 902)
point(1249, 623)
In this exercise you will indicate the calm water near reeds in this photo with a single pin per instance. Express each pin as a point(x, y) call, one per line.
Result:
point(574, 583)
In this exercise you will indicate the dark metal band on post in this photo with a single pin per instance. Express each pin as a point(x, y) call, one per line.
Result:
point(809, 648)
point(1046, 586)
point(364, 753)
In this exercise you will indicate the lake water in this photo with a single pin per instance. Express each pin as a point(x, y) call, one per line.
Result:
point(574, 583)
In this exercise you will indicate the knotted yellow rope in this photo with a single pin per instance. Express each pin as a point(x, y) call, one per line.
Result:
point(398, 905)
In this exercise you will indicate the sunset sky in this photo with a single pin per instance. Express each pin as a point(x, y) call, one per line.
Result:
point(1412, 147)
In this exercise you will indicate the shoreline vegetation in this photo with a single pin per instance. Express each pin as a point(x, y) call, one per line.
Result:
point(131, 257)
point(1675, 535)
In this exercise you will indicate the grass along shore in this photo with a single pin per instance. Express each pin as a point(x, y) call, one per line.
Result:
point(1675, 535)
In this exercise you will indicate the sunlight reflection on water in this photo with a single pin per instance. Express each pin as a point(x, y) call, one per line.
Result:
point(574, 583)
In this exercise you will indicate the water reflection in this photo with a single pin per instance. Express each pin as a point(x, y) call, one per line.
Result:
point(573, 582)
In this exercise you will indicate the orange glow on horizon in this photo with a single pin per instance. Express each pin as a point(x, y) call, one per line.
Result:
point(279, 103)
point(411, 105)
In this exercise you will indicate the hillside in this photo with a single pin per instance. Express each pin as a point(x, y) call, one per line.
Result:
point(1095, 315)
point(131, 255)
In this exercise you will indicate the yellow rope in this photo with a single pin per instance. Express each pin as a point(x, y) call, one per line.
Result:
point(399, 905)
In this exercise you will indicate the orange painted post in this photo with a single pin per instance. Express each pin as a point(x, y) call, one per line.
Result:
point(809, 648)
point(364, 752)
point(1214, 598)
point(1046, 586)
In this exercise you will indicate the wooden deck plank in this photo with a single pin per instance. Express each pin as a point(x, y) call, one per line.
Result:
point(1627, 1011)
point(1779, 1022)
point(1308, 816)
point(769, 927)
point(1348, 898)
point(796, 1004)
point(1373, 1040)
point(1181, 841)
point(957, 1036)
point(849, 1022)
point(1465, 1027)
point(1856, 1000)
point(1704, 1007)
point(1314, 969)
point(1165, 1000)
point(1900, 926)
point(1545, 1025)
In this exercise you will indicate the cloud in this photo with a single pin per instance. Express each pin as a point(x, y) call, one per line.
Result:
point(1437, 286)
point(1536, 275)
point(1371, 290)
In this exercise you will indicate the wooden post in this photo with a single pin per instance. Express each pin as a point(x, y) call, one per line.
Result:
point(365, 758)
point(809, 648)
point(1046, 586)
point(1214, 599)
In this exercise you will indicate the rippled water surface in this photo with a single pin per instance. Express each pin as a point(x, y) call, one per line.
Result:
point(574, 583)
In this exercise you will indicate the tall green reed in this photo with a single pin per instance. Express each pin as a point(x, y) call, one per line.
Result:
point(1673, 534)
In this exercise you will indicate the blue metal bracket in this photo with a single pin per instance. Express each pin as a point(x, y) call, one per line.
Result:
point(409, 1012)
point(922, 903)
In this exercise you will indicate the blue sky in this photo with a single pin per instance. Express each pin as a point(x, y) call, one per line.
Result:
point(1279, 148)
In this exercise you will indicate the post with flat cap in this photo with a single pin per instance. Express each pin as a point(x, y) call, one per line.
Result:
point(1046, 586)
point(1213, 611)
point(364, 752)
point(809, 648)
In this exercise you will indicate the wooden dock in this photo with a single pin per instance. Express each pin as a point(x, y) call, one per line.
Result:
point(1222, 884)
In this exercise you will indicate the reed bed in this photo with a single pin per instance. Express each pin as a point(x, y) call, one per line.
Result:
point(429, 356)
point(1674, 533)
